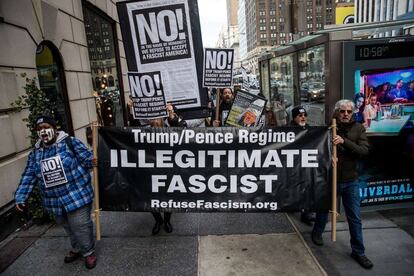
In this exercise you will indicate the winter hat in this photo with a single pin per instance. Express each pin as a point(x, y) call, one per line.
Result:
point(298, 110)
point(46, 119)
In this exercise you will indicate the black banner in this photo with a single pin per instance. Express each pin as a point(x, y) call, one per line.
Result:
point(214, 169)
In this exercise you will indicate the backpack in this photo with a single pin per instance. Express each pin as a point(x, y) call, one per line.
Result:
point(70, 145)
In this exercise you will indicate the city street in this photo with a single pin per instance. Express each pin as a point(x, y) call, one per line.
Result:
point(218, 244)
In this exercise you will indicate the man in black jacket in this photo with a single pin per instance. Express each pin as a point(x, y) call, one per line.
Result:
point(352, 143)
point(300, 119)
point(227, 97)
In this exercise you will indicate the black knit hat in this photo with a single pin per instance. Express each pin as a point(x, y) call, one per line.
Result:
point(45, 119)
point(298, 110)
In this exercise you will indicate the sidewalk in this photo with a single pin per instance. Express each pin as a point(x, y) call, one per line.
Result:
point(390, 248)
point(219, 244)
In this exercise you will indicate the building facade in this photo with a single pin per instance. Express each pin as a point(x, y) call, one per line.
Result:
point(74, 50)
point(270, 23)
point(368, 11)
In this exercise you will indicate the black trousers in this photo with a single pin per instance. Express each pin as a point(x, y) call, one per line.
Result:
point(158, 217)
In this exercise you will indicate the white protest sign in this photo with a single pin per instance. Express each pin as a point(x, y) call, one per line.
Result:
point(52, 172)
point(147, 95)
point(162, 41)
point(218, 67)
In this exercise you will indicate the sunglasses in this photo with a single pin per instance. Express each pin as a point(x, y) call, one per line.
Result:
point(347, 111)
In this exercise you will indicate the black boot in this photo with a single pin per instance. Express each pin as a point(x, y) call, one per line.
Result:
point(306, 218)
point(167, 225)
point(158, 222)
point(157, 227)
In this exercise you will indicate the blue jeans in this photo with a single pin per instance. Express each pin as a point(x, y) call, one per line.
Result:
point(79, 227)
point(349, 191)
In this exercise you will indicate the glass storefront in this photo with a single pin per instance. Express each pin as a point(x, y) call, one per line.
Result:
point(281, 79)
point(311, 66)
point(264, 77)
point(101, 47)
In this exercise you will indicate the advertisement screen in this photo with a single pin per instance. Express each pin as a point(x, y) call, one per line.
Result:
point(384, 100)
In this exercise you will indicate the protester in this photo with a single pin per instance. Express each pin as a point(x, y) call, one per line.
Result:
point(174, 120)
point(300, 119)
point(68, 197)
point(131, 120)
point(227, 97)
point(352, 143)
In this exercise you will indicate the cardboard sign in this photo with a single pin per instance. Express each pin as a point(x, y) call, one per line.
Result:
point(246, 110)
point(147, 95)
point(159, 35)
point(52, 172)
point(218, 67)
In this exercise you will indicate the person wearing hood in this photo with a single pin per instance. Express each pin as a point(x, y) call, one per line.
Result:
point(59, 165)
point(300, 119)
point(352, 143)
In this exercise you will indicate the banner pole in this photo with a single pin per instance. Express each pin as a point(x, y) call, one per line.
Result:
point(217, 104)
point(334, 184)
point(95, 180)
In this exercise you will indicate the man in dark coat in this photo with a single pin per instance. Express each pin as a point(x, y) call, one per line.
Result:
point(352, 143)
point(300, 119)
point(227, 97)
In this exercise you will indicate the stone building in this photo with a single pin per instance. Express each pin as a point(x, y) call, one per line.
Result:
point(74, 49)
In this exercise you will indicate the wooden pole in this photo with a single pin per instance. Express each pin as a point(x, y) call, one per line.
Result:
point(334, 184)
point(95, 180)
point(217, 104)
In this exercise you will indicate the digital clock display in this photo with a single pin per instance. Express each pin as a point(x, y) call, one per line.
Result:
point(383, 51)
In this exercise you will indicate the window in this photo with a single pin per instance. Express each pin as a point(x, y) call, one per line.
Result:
point(281, 81)
point(312, 79)
point(51, 80)
point(104, 68)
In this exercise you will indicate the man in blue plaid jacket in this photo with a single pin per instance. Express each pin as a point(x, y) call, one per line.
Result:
point(60, 167)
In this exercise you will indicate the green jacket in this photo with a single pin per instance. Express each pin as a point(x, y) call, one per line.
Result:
point(354, 147)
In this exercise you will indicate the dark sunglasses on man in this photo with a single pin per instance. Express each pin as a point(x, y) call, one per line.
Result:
point(347, 111)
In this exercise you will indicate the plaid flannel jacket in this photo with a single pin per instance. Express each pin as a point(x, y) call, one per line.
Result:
point(77, 192)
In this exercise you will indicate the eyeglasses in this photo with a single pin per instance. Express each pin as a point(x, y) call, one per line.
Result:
point(347, 111)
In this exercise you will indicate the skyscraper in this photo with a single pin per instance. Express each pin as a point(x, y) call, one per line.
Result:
point(271, 23)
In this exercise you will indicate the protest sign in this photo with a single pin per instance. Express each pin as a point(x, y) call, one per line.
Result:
point(246, 110)
point(52, 172)
point(165, 36)
point(218, 67)
point(214, 169)
point(147, 93)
